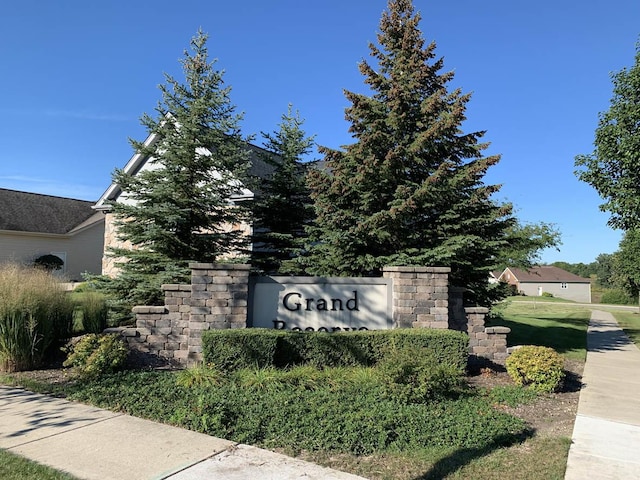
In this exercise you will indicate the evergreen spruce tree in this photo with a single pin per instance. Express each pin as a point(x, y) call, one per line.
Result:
point(178, 210)
point(409, 191)
point(283, 208)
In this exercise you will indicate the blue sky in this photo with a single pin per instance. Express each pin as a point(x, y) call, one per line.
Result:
point(77, 76)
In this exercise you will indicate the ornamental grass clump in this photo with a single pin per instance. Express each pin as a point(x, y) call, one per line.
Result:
point(93, 311)
point(539, 368)
point(35, 313)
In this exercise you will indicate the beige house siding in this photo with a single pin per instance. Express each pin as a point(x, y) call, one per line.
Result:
point(83, 249)
point(258, 168)
point(549, 279)
point(577, 292)
point(111, 240)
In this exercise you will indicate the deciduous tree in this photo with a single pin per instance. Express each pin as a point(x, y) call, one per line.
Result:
point(626, 264)
point(525, 243)
point(613, 168)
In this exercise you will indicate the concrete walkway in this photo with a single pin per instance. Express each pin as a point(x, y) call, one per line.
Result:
point(91, 443)
point(606, 433)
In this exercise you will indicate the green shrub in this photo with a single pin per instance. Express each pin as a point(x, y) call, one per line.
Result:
point(512, 395)
point(540, 368)
point(616, 297)
point(236, 349)
point(200, 375)
point(92, 311)
point(447, 346)
point(94, 355)
point(261, 348)
point(297, 417)
point(35, 313)
point(48, 262)
point(414, 375)
point(547, 294)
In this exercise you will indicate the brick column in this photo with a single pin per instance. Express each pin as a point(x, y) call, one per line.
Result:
point(177, 301)
point(420, 296)
point(163, 331)
point(486, 342)
point(219, 299)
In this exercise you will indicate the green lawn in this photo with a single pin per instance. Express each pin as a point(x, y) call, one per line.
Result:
point(522, 298)
point(522, 311)
point(14, 467)
point(630, 323)
point(545, 322)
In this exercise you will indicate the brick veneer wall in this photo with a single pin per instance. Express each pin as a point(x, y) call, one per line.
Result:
point(218, 299)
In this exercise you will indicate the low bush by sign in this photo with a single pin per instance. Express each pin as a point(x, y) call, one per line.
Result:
point(246, 348)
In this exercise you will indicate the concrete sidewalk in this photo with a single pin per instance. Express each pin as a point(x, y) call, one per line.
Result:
point(91, 443)
point(606, 435)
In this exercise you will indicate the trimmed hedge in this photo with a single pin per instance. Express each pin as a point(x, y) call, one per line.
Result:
point(261, 348)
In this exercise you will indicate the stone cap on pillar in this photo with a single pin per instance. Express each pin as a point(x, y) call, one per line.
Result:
point(417, 269)
point(219, 266)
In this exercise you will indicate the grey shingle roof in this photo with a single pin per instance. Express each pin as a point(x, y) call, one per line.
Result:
point(33, 212)
point(548, 274)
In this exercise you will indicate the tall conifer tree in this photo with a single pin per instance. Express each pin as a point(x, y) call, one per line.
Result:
point(283, 208)
point(409, 191)
point(178, 209)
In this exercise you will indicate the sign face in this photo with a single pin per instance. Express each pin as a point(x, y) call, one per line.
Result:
point(320, 304)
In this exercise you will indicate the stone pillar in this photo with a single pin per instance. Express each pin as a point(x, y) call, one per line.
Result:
point(219, 299)
point(457, 316)
point(163, 331)
point(177, 302)
point(420, 296)
point(486, 342)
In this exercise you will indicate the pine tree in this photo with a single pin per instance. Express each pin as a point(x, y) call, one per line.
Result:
point(178, 210)
point(409, 191)
point(283, 207)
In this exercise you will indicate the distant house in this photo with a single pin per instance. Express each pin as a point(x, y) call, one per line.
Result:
point(553, 280)
point(32, 225)
point(258, 168)
point(494, 275)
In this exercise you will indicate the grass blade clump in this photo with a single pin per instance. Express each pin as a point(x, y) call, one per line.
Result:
point(94, 311)
point(35, 313)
